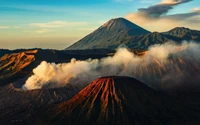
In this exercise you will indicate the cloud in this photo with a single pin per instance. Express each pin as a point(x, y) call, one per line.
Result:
point(147, 1)
point(174, 2)
point(43, 31)
point(161, 8)
point(9, 27)
point(58, 24)
point(123, 0)
point(5, 27)
point(88, 29)
point(42, 8)
point(156, 17)
point(16, 27)
point(195, 10)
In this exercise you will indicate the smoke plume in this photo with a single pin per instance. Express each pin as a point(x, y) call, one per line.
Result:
point(162, 66)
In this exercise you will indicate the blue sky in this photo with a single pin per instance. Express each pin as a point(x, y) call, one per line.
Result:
point(59, 23)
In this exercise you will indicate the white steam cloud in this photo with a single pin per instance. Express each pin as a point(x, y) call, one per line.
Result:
point(163, 65)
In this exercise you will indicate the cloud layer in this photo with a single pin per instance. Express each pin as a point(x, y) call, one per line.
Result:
point(156, 17)
point(9, 27)
point(58, 24)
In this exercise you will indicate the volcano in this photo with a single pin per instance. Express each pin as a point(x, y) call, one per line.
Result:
point(109, 35)
point(114, 101)
point(121, 32)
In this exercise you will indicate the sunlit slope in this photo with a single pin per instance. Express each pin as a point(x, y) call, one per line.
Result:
point(114, 101)
point(11, 64)
point(20, 64)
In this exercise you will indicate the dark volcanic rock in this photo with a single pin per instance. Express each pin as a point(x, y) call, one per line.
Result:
point(114, 101)
point(4, 51)
point(16, 106)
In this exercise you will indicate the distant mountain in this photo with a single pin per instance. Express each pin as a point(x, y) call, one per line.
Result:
point(20, 63)
point(115, 101)
point(184, 33)
point(121, 32)
point(11, 64)
point(109, 35)
point(142, 42)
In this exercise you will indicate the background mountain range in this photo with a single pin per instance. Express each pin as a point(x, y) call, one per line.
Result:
point(109, 100)
point(121, 32)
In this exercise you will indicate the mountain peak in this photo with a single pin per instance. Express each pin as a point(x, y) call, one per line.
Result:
point(109, 35)
point(114, 20)
point(181, 28)
point(110, 86)
point(119, 23)
point(114, 100)
point(184, 33)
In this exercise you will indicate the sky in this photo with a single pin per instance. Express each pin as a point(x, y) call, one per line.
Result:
point(56, 24)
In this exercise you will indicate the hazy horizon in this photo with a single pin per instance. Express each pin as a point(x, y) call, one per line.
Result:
point(58, 24)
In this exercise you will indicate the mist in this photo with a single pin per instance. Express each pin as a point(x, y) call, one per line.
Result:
point(163, 66)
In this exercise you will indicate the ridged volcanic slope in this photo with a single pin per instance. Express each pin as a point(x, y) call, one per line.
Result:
point(114, 101)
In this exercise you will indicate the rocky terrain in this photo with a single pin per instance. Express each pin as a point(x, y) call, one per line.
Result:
point(184, 33)
point(17, 105)
point(112, 100)
point(4, 51)
point(19, 64)
point(116, 101)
